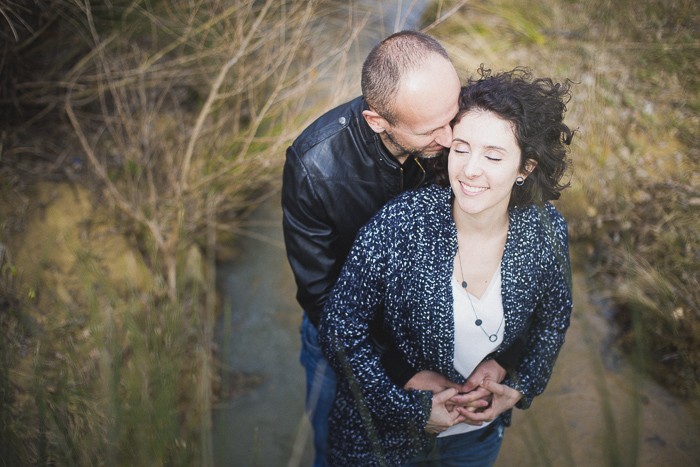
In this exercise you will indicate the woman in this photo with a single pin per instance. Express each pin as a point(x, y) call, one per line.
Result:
point(455, 273)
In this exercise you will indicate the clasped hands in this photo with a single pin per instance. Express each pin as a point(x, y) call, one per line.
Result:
point(481, 399)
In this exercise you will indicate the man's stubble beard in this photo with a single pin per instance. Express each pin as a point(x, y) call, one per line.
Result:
point(410, 153)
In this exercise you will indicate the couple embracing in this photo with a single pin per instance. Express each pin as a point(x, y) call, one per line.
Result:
point(433, 271)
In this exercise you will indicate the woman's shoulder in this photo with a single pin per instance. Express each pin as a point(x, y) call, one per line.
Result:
point(538, 217)
point(539, 223)
point(539, 235)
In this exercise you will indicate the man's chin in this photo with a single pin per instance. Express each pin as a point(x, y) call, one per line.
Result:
point(430, 154)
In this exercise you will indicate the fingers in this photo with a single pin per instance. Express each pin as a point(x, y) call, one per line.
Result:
point(438, 380)
point(444, 396)
point(504, 398)
point(474, 380)
point(486, 370)
point(476, 416)
point(503, 391)
point(496, 371)
point(476, 394)
point(471, 417)
point(441, 417)
point(493, 387)
point(432, 381)
point(472, 400)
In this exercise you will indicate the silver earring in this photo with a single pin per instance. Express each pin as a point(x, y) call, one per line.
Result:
point(519, 181)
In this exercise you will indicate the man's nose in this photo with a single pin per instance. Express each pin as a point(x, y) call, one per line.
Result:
point(444, 136)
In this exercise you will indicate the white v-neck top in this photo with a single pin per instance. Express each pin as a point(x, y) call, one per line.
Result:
point(472, 342)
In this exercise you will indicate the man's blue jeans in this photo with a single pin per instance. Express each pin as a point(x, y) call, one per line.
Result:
point(478, 448)
point(320, 389)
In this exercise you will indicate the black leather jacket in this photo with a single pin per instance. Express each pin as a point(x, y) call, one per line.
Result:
point(337, 175)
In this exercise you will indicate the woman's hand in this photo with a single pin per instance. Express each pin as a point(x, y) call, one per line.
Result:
point(473, 395)
point(441, 418)
point(504, 398)
point(470, 394)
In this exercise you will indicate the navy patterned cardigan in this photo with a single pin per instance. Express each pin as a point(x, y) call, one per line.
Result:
point(399, 270)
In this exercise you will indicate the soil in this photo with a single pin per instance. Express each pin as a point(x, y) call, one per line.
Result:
point(64, 238)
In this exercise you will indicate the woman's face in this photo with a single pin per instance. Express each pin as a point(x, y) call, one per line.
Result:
point(483, 164)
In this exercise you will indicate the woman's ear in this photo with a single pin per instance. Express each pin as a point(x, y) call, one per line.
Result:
point(530, 165)
point(375, 121)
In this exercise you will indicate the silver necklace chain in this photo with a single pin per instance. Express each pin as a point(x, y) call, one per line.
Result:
point(478, 322)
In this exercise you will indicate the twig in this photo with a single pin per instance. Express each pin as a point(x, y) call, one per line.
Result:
point(39, 32)
point(280, 82)
point(184, 174)
point(445, 16)
point(9, 22)
point(123, 204)
point(256, 236)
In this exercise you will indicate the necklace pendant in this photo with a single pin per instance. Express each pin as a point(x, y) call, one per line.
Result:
point(478, 322)
point(493, 337)
point(464, 284)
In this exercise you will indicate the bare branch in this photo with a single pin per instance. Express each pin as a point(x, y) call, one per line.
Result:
point(184, 174)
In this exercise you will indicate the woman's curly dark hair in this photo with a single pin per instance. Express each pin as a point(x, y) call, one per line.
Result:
point(536, 108)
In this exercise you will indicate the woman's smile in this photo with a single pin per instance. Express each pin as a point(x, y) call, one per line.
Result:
point(471, 189)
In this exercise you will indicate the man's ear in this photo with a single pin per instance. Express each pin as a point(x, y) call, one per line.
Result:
point(375, 121)
point(529, 167)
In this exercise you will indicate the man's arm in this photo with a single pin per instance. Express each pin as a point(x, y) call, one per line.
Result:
point(310, 240)
point(312, 244)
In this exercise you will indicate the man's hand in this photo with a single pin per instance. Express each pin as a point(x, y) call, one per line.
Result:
point(441, 418)
point(430, 381)
point(487, 369)
point(504, 398)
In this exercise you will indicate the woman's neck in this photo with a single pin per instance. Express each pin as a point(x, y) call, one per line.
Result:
point(485, 225)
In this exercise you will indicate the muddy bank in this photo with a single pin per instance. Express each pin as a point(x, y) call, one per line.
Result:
point(597, 409)
point(60, 222)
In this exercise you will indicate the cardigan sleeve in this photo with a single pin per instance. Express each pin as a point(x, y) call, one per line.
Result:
point(551, 317)
point(344, 332)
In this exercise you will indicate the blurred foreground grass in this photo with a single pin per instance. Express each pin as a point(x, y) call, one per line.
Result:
point(170, 120)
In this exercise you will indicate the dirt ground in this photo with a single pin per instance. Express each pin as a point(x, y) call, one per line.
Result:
point(598, 411)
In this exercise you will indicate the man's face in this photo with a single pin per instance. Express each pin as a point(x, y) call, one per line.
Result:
point(427, 144)
point(426, 103)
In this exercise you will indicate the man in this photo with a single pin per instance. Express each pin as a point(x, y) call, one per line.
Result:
point(341, 170)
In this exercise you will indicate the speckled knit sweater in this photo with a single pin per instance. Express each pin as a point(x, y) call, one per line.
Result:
point(399, 270)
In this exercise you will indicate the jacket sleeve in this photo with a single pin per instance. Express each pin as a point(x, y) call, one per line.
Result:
point(551, 316)
point(310, 239)
point(344, 335)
